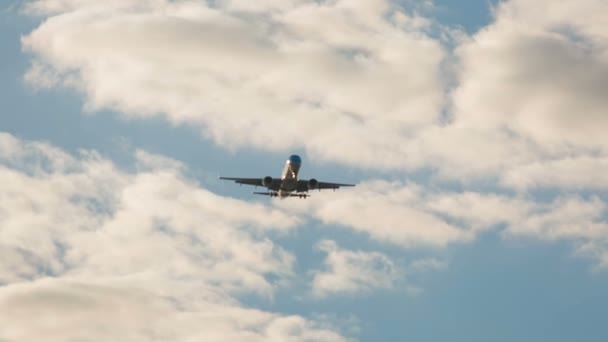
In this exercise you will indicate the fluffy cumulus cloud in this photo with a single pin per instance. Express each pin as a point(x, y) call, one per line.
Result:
point(519, 106)
point(81, 237)
point(88, 250)
point(349, 272)
point(531, 89)
point(567, 218)
point(276, 75)
point(57, 310)
point(362, 82)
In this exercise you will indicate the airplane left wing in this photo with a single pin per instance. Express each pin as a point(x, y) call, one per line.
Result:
point(275, 185)
point(247, 181)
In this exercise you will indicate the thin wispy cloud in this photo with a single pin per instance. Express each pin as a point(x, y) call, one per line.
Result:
point(352, 272)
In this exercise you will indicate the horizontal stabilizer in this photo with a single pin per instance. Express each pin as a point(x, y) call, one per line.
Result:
point(271, 194)
point(276, 194)
point(299, 195)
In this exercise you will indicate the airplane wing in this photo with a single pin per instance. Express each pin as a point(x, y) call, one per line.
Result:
point(255, 182)
point(303, 185)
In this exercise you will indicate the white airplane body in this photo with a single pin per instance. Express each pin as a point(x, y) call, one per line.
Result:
point(289, 185)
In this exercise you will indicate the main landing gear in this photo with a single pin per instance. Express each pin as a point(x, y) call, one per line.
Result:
point(276, 194)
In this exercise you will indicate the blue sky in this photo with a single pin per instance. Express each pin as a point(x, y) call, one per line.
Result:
point(118, 118)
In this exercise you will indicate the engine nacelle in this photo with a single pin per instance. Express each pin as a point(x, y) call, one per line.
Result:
point(267, 181)
point(312, 184)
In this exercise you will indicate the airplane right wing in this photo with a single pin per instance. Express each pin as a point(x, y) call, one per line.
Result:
point(247, 181)
point(304, 185)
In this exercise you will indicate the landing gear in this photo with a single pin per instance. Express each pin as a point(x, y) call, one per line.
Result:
point(277, 194)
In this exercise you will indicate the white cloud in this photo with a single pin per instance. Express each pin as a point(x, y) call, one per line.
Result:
point(390, 212)
point(539, 70)
point(530, 105)
point(587, 172)
point(141, 256)
point(571, 217)
point(149, 161)
point(276, 76)
point(566, 218)
point(356, 82)
point(349, 272)
point(409, 215)
point(479, 211)
point(360, 83)
point(57, 310)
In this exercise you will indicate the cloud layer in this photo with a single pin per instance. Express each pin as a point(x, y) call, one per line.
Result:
point(363, 68)
point(409, 215)
point(364, 83)
point(81, 237)
point(530, 89)
point(517, 107)
point(91, 251)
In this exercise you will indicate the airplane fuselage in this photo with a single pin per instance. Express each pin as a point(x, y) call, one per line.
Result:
point(289, 177)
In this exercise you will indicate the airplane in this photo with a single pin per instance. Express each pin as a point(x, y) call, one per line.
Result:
point(289, 185)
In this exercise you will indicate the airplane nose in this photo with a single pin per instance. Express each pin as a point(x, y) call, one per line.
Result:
point(295, 159)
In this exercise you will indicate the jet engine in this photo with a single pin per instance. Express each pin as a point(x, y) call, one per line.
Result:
point(312, 184)
point(267, 181)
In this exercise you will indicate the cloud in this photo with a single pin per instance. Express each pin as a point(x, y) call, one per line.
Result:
point(568, 173)
point(581, 221)
point(566, 218)
point(364, 69)
point(364, 83)
point(409, 215)
point(390, 212)
point(529, 103)
point(361, 83)
point(350, 272)
point(58, 310)
point(148, 214)
point(537, 71)
point(477, 210)
point(81, 238)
